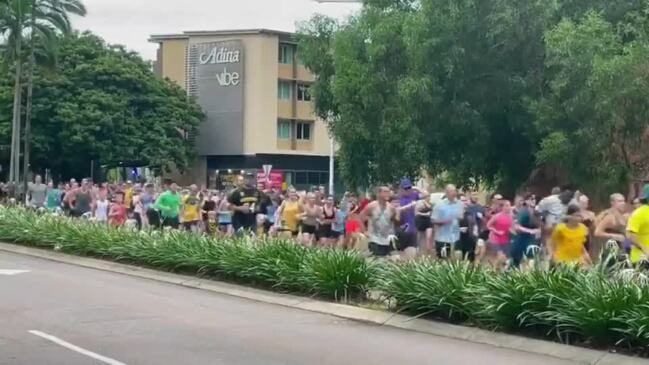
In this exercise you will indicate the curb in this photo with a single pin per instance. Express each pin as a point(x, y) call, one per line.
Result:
point(381, 318)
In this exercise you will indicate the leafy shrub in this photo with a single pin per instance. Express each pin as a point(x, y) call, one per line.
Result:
point(276, 263)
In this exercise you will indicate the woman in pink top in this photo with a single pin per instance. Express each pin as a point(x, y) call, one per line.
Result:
point(500, 226)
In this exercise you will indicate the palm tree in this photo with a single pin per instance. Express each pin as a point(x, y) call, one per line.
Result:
point(40, 21)
point(48, 18)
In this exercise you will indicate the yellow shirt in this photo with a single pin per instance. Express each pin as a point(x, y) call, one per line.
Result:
point(639, 225)
point(291, 215)
point(569, 242)
point(191, 208)
point(128, 197)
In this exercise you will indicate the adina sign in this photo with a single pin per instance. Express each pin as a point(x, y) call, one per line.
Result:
point(219, 55)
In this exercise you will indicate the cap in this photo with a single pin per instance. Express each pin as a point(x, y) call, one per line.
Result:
point(405, 184)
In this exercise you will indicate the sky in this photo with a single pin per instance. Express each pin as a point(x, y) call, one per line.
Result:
point(131, 22)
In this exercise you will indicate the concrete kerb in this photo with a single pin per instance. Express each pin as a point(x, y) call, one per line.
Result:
point(565, 352)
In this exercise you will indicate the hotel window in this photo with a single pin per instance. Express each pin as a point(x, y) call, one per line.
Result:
point(286, 53)
point(303, 131)
point(303, 92)
point(284, 90)
point(284, 129)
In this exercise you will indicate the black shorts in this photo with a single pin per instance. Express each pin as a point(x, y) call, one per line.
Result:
point(422, 223)
point(379, 250)
point(467, 246)
point(189, 225)
point(406, 239)
point(307, 228)
point(326, 231)
point(171, 222)
point(153, 217)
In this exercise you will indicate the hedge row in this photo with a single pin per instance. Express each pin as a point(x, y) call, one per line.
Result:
point(599, 307)
point(278, 264)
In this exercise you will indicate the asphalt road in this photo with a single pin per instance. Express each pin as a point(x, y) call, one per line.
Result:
point(84, 316)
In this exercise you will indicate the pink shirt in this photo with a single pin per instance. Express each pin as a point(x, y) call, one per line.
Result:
point(503, 223)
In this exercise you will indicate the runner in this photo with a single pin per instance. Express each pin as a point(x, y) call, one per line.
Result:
point(83, 201)
point(289, 213)
point(128, 191)
point(381, 217)
point(138, 211)
point(338, 227)
point(528, 232)
point(168, 205)
point(553, 208)
point(224, 216)
point(311, 213)
point(610, 226)
point(150, 217)
point(568, 241)
point(118, 211)
point(500, 226)
point(53, 197)
point(407, 233)
point(638, 231)
point(328, 218)
point(190, 210)
point(101, 208)
point(424, 226)
point(588, 219)
point(37, 192)
point(244, 203)
point(353, 226)
point(209, 208)
point(446, 216)
point(469, 232)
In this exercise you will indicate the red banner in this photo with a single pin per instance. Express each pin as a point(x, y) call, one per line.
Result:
point(275, 181)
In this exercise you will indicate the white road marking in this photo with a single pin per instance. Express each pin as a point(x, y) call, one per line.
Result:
point(12, 272)
point(75, 348)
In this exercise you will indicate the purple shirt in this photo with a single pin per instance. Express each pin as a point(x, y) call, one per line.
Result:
point(408, 215)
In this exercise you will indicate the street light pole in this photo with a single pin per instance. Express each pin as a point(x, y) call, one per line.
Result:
point(331, 165)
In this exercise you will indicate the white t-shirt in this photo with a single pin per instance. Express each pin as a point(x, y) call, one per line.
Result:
point(101, 214)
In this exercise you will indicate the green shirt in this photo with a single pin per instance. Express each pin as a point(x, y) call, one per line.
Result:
point(169, 204)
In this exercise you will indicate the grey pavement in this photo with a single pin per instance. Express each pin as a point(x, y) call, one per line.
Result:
point(138, 321)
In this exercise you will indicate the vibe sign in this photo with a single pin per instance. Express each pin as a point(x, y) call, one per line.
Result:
point(225, 78)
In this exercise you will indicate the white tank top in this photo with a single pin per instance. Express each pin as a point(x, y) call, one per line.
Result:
point(101, 214)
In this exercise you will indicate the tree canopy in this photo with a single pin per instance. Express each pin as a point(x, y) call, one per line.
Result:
point(103, 103)
point(484, 90)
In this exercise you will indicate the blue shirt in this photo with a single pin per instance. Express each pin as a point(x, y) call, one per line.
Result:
point(339, 224)
point(444, 211)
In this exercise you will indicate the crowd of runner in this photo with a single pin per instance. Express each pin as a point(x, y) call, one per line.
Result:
point(396, 221)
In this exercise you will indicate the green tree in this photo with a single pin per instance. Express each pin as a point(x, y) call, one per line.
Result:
point(34, 19)
point(462, 87)
point(596, 115)
point(359, 75)
point(104, 104)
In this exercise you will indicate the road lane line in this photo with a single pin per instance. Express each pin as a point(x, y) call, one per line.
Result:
point(75, 348)
point(12, 272)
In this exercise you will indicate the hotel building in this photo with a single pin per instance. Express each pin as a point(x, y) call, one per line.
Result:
point(255, 94)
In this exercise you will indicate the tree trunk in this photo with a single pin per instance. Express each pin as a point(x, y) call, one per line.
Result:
point(14, 168)
point(28, 109)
